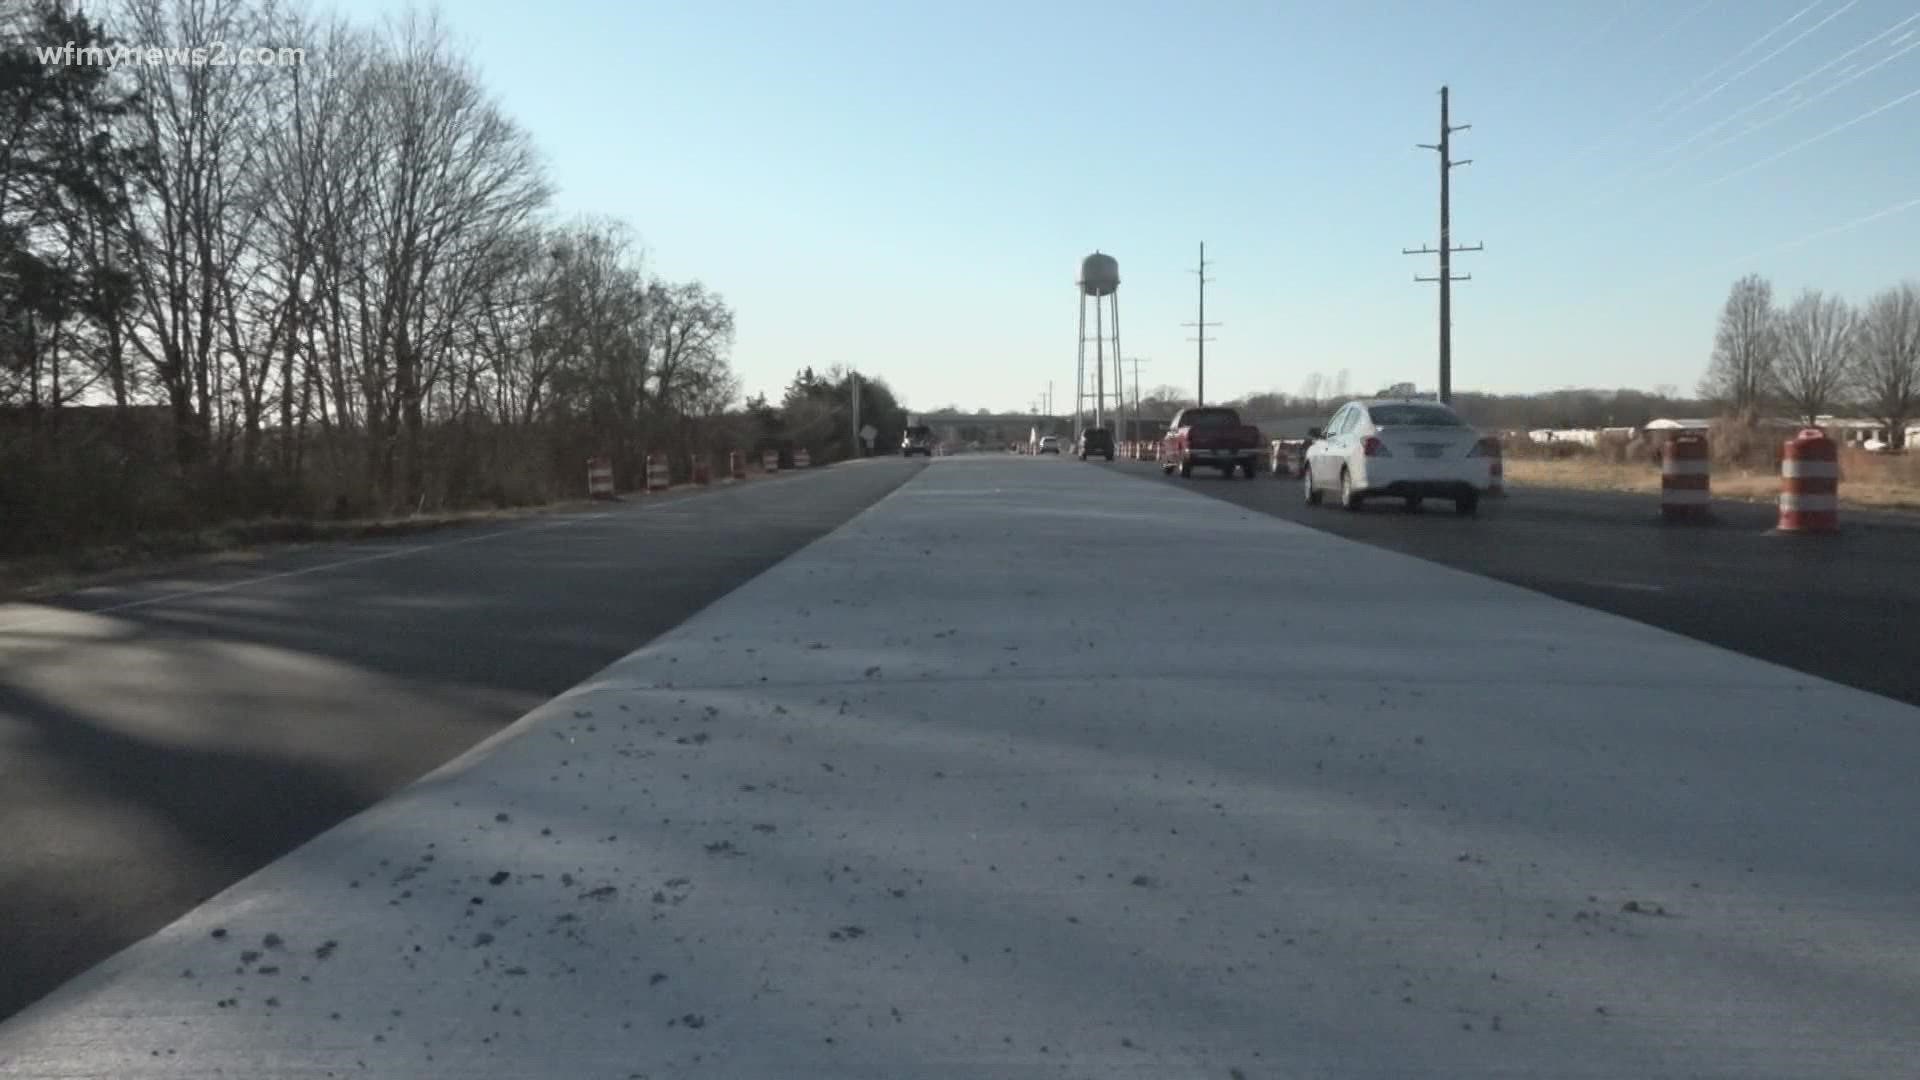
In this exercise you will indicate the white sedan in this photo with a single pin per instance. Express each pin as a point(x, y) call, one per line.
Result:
point(1400, 448)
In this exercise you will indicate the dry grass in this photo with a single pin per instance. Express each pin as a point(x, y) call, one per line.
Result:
point(1867, 480)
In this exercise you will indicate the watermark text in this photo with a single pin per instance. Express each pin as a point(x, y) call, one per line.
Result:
point(212, 54)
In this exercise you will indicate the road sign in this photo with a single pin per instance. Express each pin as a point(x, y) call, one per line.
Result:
point(868, 433)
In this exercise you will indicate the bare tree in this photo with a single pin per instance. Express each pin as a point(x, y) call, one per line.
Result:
point(1887, 359)
point(337, 267)
point(1311, 387)
point(190, 229)
point(689, 331)
point(453, 181)
point(1746, 349)
point(1816, 335)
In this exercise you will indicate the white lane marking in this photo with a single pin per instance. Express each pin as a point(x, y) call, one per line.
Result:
point(229, 586)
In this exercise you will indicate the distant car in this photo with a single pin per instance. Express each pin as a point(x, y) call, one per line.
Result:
point(1049, 444)
point(1096, 442)
point(917, 440)
point(1399, 448)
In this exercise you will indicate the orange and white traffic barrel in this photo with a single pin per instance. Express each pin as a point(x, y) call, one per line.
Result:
point(702, 470)
point(737, 465)
point(802, 459)
point(1685, 479)
point(658, 479)
point(599, 478)
point(770, 461)
point(1810, 484)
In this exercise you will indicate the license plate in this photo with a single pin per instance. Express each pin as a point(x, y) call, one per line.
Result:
point(1427, 450)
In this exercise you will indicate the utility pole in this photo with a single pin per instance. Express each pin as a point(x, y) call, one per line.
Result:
point(1136, 362)
point(1200, 328)
point(856, 445)
point(1446, 249)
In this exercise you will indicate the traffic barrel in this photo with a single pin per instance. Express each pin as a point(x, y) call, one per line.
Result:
point(737, 465)
point(770, 461)
point(1685, 480)
point(658, 478)
point(1286, 458)
point(1810, 484)
point(802, 459)
point(599, 478)
point(702, 471)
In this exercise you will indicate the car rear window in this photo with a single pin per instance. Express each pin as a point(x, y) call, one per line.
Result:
point(1414, 416)
point(1211, 418)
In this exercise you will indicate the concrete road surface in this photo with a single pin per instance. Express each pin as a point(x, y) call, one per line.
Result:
point(1038, 770)
point(1841, 607)
point(161, 739)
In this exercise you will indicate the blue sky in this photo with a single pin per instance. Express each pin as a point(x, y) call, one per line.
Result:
point(908, 187)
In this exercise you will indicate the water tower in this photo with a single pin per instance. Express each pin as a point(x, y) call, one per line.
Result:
point(1099, 282)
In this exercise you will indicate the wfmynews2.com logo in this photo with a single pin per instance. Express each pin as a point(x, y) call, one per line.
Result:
point(213, 54)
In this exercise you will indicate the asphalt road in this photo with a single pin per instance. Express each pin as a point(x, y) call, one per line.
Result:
point(162, 738)
point(989, 783)
point(1840, 607)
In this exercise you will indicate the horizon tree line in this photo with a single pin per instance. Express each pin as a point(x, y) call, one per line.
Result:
point(1817, 354)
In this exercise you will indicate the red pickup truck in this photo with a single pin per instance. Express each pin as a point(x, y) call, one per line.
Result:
point(1212, 437)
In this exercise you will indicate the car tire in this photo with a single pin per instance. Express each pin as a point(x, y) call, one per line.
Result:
point(1252, 470)
point(1349, 498)
point(1467, 505)
point(1186, 470)
point(1312, 493)
point(1413, 504)
point(1109, 457)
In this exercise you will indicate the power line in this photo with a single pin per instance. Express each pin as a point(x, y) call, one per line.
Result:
point(1803, 103)
point(1804, 143)
point(1446, 249)
point(1746, 262)
point(1647, 205)
point(1614, 185)
point(1731, 60)
point(1598, 35)
point(1831, 230)
point(1678, 23)
point(1737, 76)
point(1695, 84)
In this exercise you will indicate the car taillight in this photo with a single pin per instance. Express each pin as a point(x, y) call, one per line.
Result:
point(1373, 447)
point(1488, 447)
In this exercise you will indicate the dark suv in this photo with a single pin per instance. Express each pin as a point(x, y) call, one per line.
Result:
point(1096, 442)
point(918, 440)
